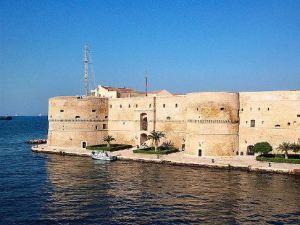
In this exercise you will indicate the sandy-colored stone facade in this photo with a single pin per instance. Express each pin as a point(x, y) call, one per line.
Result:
point(203, 124)
point(272, 116)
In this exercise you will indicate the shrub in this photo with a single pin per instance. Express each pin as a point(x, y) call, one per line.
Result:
point(276, 159)
point(159, 151)
point(167, 145)
point(262, 147)
point(112, 148)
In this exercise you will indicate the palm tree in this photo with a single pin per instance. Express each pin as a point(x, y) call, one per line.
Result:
point(108, 139)
point(156, 136)
point(295, 147)
point(285, 147)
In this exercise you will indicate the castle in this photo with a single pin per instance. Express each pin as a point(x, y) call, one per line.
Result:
point(201, 124)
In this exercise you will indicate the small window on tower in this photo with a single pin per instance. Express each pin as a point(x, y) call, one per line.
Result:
point(149, 105)
point(93, 110)
point(129, 106)
point(110, 106)
point(164, 105)
point(222, 108)
point(252, 123)
point(77, 117)
point(176, 105)
point(61, 110)
point(168, 118)
point(104, 126)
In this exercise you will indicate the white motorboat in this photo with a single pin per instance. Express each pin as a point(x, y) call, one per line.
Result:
point(103, 156)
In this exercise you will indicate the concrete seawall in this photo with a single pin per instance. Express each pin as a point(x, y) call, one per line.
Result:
point(245, 163)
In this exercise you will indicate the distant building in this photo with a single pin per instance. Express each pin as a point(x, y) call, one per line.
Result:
point(112, 92)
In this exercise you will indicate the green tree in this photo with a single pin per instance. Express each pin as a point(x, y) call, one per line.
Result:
point(285, 147)
point(156, 136)
point(262, 148)
point(108, 139)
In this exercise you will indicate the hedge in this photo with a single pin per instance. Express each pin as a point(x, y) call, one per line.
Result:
point(160, 151)
point(113, 147)
point(277, 160)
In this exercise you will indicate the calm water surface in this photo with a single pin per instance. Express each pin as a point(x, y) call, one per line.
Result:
point(50, 189)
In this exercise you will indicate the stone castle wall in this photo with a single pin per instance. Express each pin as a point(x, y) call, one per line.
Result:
point(212, 123)
point(272, 116)
point(74, 120)
point(206, 124)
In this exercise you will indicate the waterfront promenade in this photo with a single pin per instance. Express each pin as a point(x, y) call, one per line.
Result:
point(247, 163)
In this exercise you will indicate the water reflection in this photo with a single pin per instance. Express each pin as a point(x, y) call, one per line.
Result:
point(83, 190)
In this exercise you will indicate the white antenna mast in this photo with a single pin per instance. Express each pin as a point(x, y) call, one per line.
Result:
point(86, 61)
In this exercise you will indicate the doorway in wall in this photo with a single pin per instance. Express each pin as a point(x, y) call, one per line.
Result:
point(199, 152)
point(83, 144)
point(250, 150)
point(143, 138)
point(182, 147)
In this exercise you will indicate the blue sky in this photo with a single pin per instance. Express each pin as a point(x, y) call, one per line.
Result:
point(185, 46)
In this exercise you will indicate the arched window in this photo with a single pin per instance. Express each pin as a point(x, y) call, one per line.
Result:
point(143, 121)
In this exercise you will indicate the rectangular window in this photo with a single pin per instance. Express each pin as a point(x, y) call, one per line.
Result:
point(104, 126)
point(164, 105)
point(61, 110)
point(93, 110)
point(252, 124)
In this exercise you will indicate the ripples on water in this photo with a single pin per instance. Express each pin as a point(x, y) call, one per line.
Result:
point(40, 189)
